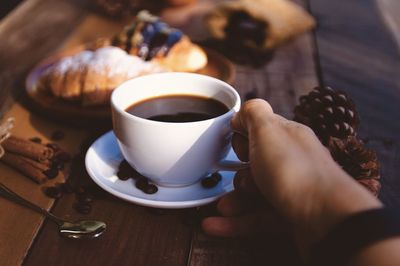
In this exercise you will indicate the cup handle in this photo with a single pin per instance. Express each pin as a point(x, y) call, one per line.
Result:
point(228, 165)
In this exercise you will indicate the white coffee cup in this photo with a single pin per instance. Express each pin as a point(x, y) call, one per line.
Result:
point(168, 153)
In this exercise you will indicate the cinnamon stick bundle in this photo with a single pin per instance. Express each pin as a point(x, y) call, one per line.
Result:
point(32, 169)
point(32, 150)
point(37, 161)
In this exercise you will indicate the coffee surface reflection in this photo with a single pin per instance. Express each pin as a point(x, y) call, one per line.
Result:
point(178, 108)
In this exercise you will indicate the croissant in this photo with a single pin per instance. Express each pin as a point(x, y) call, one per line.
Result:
point(259, 24)
point(153, 40)
point(89, 77)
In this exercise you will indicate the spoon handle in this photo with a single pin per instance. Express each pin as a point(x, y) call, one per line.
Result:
point(11, 195)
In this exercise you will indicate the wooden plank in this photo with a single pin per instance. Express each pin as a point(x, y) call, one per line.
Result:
point(390, 10)
point(135, 235)
point(260, 250)
point(18, 226)
point(8, 6)
point(291, 73)
point(358, 54)
point(28, 34)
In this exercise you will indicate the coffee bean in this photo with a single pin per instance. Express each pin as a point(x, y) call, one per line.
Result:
point(51, 173)
point(211, 181)
point(125, 171)
point(142, 183)
point(122, 176)
point(85, 198)
point(66, 188)
point(57, 135)
point(63, 156)
point(36, 140)
point(125, 166)
point(57, 164)
point(208, 182)
point(217, 176)
point(83, 208)
point(53, 192)
point(150, 189)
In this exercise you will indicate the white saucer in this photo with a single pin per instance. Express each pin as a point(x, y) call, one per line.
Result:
point(102, 162)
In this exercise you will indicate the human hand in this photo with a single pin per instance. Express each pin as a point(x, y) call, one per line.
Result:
point(292, 178)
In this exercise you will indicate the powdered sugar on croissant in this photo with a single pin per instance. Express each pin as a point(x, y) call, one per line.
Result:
point(89, 77)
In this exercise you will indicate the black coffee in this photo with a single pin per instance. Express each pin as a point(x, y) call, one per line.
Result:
point(178, 108)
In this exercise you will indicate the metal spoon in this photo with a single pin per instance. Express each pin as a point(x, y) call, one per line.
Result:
point(78, 229)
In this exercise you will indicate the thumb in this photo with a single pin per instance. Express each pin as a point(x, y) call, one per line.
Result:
point(252, 113)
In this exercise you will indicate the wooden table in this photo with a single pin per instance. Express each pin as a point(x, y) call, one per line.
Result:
point(354, 48)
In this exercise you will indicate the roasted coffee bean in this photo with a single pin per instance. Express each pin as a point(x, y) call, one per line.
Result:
point(150, 189)
point(57, 135)
point(53, 192)
point(84, 198)
point(217, 176)
point(51, 173)
point(63, 156)
point(122, 176)
point(36, 140)
point(125, 171)
point(135, 174)
point(83, 208)
point(57, 163)
point(142, 183)
point(66, 188)
point(208, 182)
point(211, 181)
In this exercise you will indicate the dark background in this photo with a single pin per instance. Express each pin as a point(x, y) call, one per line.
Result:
point(7, 5)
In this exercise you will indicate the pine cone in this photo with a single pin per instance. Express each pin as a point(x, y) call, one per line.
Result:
point(328, 113)
point(358, 161)
point(334, 119)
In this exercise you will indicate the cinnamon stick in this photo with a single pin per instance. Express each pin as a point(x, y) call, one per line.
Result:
point(32, 150)
point(33, 169)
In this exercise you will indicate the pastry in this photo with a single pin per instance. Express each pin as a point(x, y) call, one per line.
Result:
point(153, 40)
point(89, 77)
point(258, 24)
